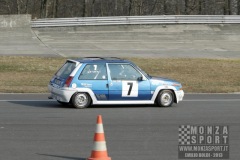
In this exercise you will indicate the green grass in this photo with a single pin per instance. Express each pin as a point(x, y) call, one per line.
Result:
point(197, 75)
point(32, 74)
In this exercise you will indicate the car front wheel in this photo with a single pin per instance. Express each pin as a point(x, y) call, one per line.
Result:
point(165, 98)
point(81, 100)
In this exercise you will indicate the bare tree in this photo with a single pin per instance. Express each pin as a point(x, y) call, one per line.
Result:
point(177, 8)
point(93, 4)
point(186, 7)
point(18, 6)
point(84, 8)
point(238, 6)
point(227, 10)
point(164, 7)
point(130, 7)
point(43, 8)
point(234, 7)
point(55, 8)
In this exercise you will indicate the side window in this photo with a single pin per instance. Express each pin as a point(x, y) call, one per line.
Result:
point(123, 72)
point(94, 72)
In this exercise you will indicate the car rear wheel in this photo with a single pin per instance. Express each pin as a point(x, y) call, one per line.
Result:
point(165, 98)
point(81, 100)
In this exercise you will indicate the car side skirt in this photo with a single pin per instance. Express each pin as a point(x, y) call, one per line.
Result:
point(152, 101)
point(121, 102)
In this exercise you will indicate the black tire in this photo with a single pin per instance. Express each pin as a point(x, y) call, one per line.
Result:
point(165, 98)
point(81, 100)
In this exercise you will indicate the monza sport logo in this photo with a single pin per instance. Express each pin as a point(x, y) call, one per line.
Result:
point(203, 142)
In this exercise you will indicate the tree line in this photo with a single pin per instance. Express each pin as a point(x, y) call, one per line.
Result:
point(98, 8)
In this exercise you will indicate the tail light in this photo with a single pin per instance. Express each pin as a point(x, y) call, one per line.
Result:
point(68, 81)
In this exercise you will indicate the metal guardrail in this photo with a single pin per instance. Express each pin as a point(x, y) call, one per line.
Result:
point(133, 20)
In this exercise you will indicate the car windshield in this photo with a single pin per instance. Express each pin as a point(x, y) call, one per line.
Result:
point(66, 69)
point(143, 72)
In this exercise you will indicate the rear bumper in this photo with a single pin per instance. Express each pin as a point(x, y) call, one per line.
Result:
point(61, 94)
point(179, 95)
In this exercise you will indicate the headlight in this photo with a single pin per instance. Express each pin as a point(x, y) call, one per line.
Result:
point(177, 86)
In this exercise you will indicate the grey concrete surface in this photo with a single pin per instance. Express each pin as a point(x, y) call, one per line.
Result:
point(31, 128)
point(15, 21)
point(188, 41)
point(17, 37)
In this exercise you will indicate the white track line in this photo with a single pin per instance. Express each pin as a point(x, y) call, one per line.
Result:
point(211, 100)
point(188, 100)
point(26, 100)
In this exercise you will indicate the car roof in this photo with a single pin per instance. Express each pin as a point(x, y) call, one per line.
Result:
point(102, 60)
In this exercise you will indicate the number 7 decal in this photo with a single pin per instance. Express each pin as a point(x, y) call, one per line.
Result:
point(129, 89)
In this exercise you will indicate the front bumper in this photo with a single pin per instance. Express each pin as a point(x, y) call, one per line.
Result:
point(179, 95)
point(61, 94)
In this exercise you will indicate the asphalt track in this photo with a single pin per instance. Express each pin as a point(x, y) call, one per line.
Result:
point(33, 127)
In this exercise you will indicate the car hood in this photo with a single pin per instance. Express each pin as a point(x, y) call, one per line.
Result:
point(164, 80)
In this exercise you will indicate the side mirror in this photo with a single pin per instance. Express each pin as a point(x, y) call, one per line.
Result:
point(140, 78)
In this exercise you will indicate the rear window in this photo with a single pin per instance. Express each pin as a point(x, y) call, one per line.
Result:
point(66, 69)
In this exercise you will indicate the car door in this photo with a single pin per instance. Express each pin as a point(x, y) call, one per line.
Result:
point(127, 83)
point(94, 77)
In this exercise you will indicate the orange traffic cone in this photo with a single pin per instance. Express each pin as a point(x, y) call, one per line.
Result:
point(99, 151)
